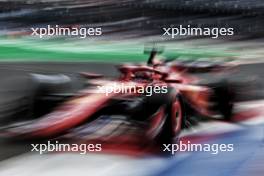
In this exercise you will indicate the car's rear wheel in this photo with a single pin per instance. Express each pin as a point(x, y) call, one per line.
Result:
point(33, 95)
point(223, 100)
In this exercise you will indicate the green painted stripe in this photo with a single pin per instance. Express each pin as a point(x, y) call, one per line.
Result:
point(28, 49)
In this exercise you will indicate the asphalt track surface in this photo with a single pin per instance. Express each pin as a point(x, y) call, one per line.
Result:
point(247, 136)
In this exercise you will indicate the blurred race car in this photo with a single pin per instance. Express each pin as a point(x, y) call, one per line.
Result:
point(48, 109)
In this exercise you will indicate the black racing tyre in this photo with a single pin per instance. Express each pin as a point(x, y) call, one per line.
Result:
point(51, 90)
point(226, 104)
point(223, 99)
point(16, 98)
point(29, 96)
point(173, 119)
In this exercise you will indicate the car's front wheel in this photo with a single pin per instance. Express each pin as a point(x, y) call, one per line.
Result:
point(171, 116)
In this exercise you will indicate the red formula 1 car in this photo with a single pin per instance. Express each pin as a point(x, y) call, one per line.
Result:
point(150, 105)
point(156, 99)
